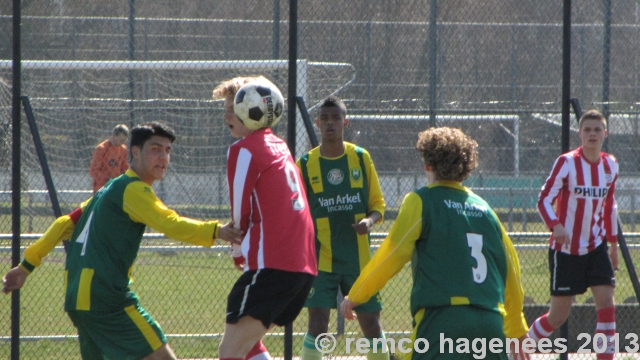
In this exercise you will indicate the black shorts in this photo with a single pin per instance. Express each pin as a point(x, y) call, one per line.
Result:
point(573, 274)
point(271, 296)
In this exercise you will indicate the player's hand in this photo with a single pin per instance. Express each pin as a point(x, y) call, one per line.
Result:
point(229, 233)
point(613, 255)
point(560, 235)
point(363, 226)
point(238, 262)
point(519, 354)
point(346, 306)
point(14, 279)
point(238, 259)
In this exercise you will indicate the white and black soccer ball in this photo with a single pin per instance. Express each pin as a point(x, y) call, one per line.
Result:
point(259, 105)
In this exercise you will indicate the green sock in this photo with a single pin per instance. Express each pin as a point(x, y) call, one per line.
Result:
point(380, 353)
point(309, 351)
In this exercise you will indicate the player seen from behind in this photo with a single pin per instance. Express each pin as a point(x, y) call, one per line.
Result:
point(466, 273)
point(269, 204)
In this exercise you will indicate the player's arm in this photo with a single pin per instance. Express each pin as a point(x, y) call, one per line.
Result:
point(376, 199)
point(548, 194)
point(611, 220)
point(396, 250)
point(363, 225)
point(299, 165)
point(61, 229)
point(236, 251)
point(611, 211)
point(142, 205)
point(376, 204)
point(242, 175)
point(550, 191)
point(238, 259)
point(515, 324)
point(96, 169)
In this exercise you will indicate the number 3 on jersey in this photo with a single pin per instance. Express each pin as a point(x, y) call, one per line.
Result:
point(475, 243)
point(294, 184)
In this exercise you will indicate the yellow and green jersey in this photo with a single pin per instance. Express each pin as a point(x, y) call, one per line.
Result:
point(341, 191)
point(460, 255)
point(106, 240)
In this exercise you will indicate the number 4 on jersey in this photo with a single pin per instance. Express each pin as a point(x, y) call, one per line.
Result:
point(84, 235)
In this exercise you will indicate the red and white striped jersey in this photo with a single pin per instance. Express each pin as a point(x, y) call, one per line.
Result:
point(269, 203)
point(583, 193)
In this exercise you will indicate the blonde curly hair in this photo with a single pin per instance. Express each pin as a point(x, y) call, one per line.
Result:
point(231, 86)
point(450, 153)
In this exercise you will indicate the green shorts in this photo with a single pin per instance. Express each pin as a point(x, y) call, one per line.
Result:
point(130, 333)
point(457, 326)
point(324, 292)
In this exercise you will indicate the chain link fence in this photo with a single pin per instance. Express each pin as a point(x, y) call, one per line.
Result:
point(493, 69)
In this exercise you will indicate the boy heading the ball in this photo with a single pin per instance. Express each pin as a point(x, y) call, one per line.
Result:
point(269, 204)
point(259, 105)
point(333, 171)
point(466, 273)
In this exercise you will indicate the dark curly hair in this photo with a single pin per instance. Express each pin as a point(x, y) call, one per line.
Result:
point(450, 153)
point(143, 132)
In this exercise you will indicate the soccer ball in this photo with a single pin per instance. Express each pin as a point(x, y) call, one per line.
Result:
point(259, 105)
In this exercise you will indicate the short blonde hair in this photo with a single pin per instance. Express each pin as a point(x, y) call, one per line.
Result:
point(231, 86)
point(121, 129)
point(592, 115)
point(450, 153)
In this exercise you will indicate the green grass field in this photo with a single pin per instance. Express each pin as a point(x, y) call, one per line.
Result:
point(185, 290)
point(186, 293)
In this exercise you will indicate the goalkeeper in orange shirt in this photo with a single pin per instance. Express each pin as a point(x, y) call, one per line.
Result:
point(109, 158)
point(466, 273)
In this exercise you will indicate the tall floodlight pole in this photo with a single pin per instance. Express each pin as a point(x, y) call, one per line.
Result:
point(566, 95)
point(15, 179)
point(132, 56)
point(433, 58)
point(276, 29)
point(291, 126)
point(606, 67)
point(566, 75)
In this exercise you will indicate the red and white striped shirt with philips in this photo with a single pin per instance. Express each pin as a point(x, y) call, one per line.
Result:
point(583, 193)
